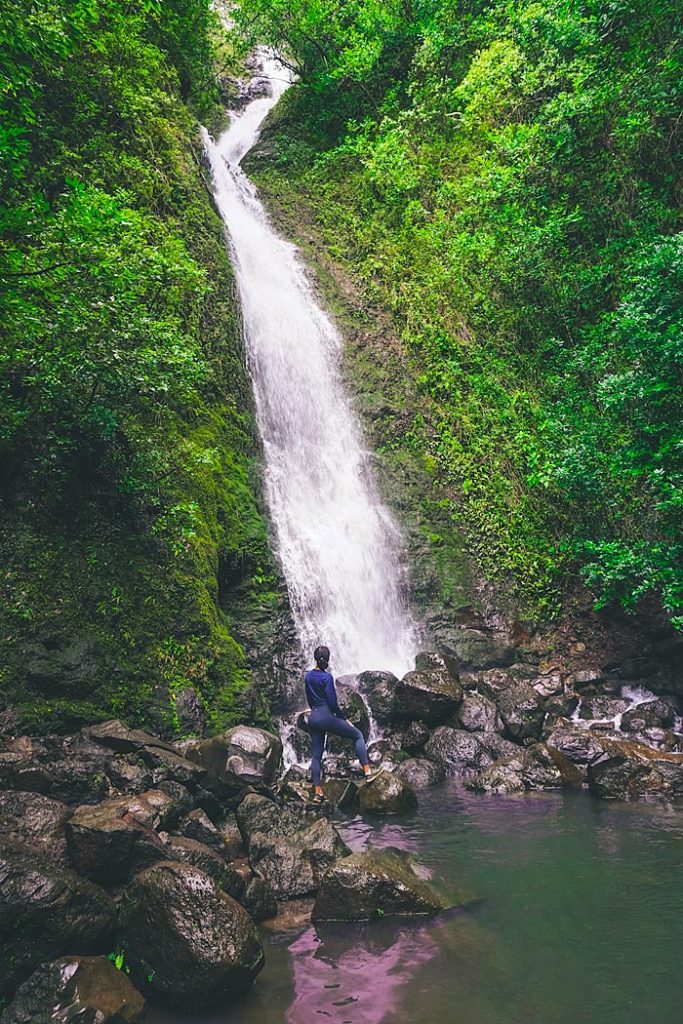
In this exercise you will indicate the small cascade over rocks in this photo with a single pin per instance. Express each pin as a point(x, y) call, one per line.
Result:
point(339, 546)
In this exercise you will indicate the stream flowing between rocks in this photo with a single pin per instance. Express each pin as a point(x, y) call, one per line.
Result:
point(577, 919)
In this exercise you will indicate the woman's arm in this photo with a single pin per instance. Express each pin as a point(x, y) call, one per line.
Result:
point(331, 695)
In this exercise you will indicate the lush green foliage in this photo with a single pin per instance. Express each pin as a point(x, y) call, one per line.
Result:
point(126, 439)
point(503, 176)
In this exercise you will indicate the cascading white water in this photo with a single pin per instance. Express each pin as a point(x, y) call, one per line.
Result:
point(338, 545)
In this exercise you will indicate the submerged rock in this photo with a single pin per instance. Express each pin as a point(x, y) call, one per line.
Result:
point(89, 990)
point(374, 884)
point(241, 757)
point(432, 697)
point(46, 911)
point(419, 773)
point(388, 793)
point(195, 943)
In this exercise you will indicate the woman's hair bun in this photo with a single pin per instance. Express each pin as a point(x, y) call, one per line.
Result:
point(322, 656)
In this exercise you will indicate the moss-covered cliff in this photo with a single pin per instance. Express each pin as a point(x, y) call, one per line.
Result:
point(135, 558)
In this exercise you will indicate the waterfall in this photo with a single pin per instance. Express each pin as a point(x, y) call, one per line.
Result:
point(338, 545)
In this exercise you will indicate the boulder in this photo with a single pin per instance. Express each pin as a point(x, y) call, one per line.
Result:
point(522, 710)
point(341, 792)
point(549, 685)
point(479, 714)
point(20, 770)
point(535, 768)
point(626, 770)
point(579, 745)
point(438, 661)
point(483, 649)
point(240, 758)
point(114, 735)
point(388, 793)
point(197, 825)
point(86, 989)
point(602, 708)
point(431, 697)
point(258, 814)
point(457, 751)
point(195, 943)
point(419, 773)
point(190, 851)
point(354, 710)
point(415, 737)
point(375, 884)
point(294, 864)
point(37, 821)
point(46, 911)
point(586, 680)
point(113, 840)
point(378, 688)
point(654, 714)
point(259, 900)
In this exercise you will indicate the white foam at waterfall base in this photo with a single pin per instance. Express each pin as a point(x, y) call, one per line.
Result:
point(339, 547)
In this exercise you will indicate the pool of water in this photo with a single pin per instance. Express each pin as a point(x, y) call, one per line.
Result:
point(577, 918)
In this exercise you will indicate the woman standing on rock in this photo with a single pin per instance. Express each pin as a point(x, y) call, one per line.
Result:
point(326, 716)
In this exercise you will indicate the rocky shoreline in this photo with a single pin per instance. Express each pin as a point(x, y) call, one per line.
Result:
point(119, 849)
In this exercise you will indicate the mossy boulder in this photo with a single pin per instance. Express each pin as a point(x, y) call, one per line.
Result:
point(372, 885)
point(196, 944)
point(388, 793)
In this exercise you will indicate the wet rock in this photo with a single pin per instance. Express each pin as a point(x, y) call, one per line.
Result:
point(585, 680)
point(257, 813)
point(259, 900)
point(232, 838)
point(388, 793)
point(294, 864)
point(111, 841)
point(353, 709)
point(198, 945)
point(479, 714)
point(415, 737)
point(46, 911)
point(419, 773)
point(662, 739)
point(550, 685)
point(522, 711)
point(535, 768)
point(169, 766)
point(430, 697)
point(197, 825)
point(478, 649)
point(343, 793)
point(378, 688)
point(602, 708)
point(35, 820)
point(241, 757)
point(19, 770)
point(89, 990)
point(563, 705)
point(372, 885)
point(626, 770)
point(190, 851)
point(457, 751)
point(580, 746)
point(656, 714)
point(190, 711)
point(438, 661)
point(126, 777)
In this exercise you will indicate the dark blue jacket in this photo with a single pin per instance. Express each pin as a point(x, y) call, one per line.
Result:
point(320, 692)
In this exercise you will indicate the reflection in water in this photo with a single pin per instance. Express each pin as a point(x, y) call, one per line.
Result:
point(579, 920)
point(354, 984)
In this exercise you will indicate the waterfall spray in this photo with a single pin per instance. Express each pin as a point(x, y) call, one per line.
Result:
point(338, 544)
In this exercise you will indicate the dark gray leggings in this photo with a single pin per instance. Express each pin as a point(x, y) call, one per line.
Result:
point(321, 721)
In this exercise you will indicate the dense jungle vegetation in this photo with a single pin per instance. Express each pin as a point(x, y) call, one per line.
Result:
point(127, 491)
point(505, 178)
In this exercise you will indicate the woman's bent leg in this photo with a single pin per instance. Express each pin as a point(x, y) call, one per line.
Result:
point(339, 727)
point(317, 747)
